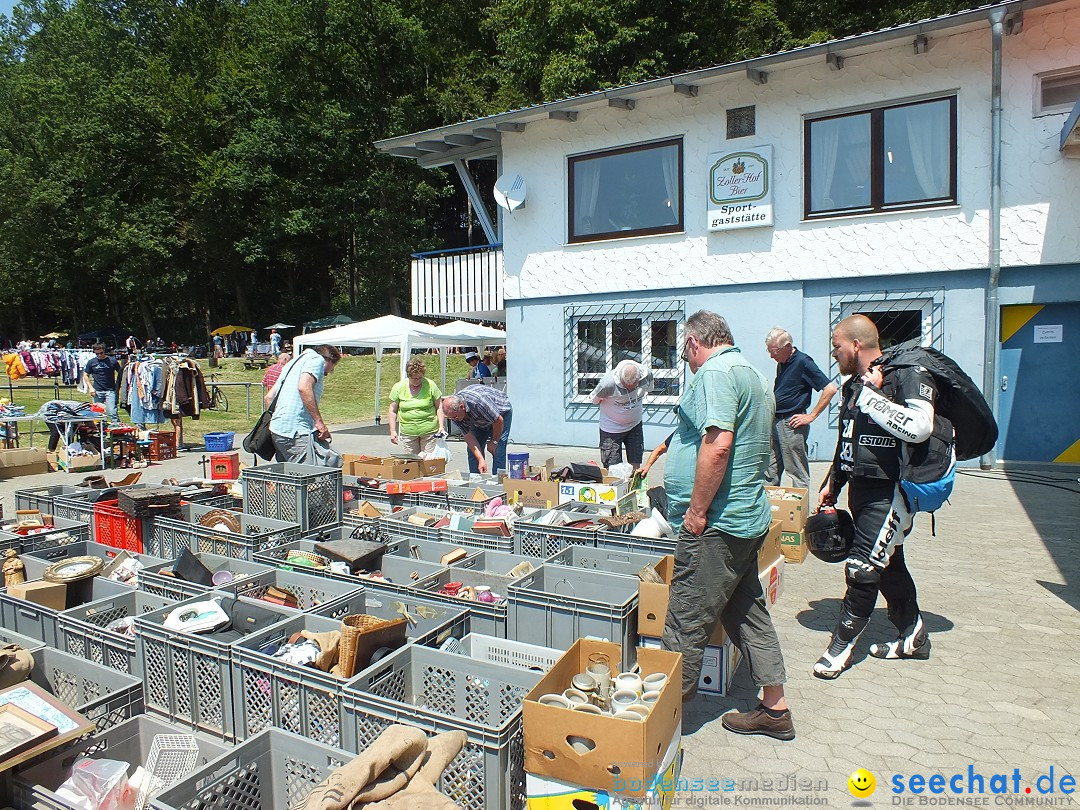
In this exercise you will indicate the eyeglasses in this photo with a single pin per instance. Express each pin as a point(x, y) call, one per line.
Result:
point(686, 348)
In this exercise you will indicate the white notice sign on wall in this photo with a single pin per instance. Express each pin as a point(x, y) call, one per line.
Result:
point(1048, 334)
point(740, 189)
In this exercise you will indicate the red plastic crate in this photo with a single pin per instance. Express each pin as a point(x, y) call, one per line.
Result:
point(115, 528)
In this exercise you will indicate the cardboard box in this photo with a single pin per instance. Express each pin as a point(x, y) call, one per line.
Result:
point(793, 545)
point(718, 665)
point(25, 461)
point(60, 461)
point(607, 492)
point(653, 603)
point(772, 581)
point(770, 549)
point(47, 594)
point(393, 468)
point(544, 793)
point(790, 506)
point(540, 494)
point(637, 748)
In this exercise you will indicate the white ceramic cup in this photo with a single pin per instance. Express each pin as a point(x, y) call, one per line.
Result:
point(638, 708)
point(581, 745)
point(630, 681)
point(575, 696)
point(555, 700)
point(584, 682)
point(654, 682)
point(629, 715)
point(601, 674)
point(587, 708)
point(622, 699)
point(649, 698)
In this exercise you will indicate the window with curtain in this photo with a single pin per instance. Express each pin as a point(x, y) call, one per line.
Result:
point(631, 191)
point(885, 159)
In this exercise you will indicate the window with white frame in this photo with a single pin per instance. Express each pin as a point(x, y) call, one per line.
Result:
point(1057, 91)
point(630, 191)
point(884, 159)
point(602, 336)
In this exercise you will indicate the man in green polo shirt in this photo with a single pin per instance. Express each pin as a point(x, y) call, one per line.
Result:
point(714, 476)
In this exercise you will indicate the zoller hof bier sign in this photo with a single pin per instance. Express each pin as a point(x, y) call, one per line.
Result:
point(740, 189)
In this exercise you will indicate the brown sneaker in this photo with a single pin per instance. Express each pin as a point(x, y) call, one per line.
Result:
point(759, 721)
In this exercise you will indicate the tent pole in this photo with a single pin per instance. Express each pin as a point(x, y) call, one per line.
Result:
point(378, 382)
point(442, 360)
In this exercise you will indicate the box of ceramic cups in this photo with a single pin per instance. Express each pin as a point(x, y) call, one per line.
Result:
point(589, 724)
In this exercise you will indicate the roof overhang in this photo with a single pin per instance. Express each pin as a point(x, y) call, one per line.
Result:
point(1070, 133)
point(482, 137)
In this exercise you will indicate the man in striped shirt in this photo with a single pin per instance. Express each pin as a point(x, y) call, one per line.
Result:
point(483, 415)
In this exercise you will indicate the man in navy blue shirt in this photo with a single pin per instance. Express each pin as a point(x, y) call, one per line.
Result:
point(101, 375)
point(797, 377)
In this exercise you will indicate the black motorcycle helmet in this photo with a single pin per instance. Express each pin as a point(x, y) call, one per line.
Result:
point(830, 534)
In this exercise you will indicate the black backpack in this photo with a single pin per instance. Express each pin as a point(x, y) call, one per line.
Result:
point(959, 400)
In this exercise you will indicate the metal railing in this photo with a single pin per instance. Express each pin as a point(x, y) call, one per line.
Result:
point(458, 281)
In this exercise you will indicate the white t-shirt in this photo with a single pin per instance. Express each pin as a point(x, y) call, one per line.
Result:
point(621, 409)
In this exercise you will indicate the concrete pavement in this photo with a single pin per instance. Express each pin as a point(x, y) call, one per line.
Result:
point(1000, 592)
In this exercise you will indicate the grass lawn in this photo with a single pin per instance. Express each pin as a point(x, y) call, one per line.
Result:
point(348, 394)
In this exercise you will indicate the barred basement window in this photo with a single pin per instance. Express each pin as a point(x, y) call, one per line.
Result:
point(600, 336)
point(741, 122)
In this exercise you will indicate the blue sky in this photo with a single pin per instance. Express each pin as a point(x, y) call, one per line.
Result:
point(5, 7)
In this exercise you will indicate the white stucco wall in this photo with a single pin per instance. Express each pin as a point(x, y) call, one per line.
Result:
point(1040, 195)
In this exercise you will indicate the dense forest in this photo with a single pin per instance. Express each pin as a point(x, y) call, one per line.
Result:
point(173, 165)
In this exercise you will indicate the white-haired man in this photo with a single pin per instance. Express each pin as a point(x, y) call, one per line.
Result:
point(621, 395)
point(797, 377)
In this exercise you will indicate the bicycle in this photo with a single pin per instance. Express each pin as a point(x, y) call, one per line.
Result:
point(218, 400)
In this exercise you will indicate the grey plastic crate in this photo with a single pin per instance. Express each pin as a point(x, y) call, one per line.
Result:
point(609, 560)
point(78, 505)
point(496, 562)
point(439, 691)
point(187, 676)
point(540, 540)
point(460, 498)
point(485, 617)
point(41, 498)
point(169, 536)
point(296, 493)
point(430, 623)
point(518, 654)
point(9, 540)
point(396, 525)
point(153, 581)
point(39, 621)
point(273, 770)
point(319, 595)
point(103, 696)
point(399, 574)
point(428, 550)
point(129, 741)
point(26, 642)
point(624, 541)
point(556, 605)
point(37, 561)
point(63, 533)
point(376, 495)
point(84, 630)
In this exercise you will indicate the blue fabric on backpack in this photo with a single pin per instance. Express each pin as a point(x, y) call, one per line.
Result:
point(929, 497)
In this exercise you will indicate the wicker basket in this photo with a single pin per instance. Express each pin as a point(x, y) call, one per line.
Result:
point(356, 626)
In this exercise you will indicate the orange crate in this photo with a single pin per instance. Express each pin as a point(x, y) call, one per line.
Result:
point(115, 528)
point(224, 466)
point(164, 445)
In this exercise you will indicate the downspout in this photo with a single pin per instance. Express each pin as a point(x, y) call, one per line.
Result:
point(993, 307)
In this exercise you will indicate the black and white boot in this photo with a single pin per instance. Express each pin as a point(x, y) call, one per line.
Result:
point(914, 642)
point(837, 656)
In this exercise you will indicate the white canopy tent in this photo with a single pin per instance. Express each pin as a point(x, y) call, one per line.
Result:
point(392, 332)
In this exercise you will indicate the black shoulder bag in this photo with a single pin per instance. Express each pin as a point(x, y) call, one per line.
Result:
point(260, 441)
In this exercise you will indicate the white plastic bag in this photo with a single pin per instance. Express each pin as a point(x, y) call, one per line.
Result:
point(442, 450)
point(94, 783)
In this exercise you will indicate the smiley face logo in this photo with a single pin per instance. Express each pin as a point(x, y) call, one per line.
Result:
point(861, 783)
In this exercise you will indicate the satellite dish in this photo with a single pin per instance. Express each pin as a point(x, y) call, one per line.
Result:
point(510, 191)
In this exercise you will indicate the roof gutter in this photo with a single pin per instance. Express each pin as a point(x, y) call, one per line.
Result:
point(993, 306)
